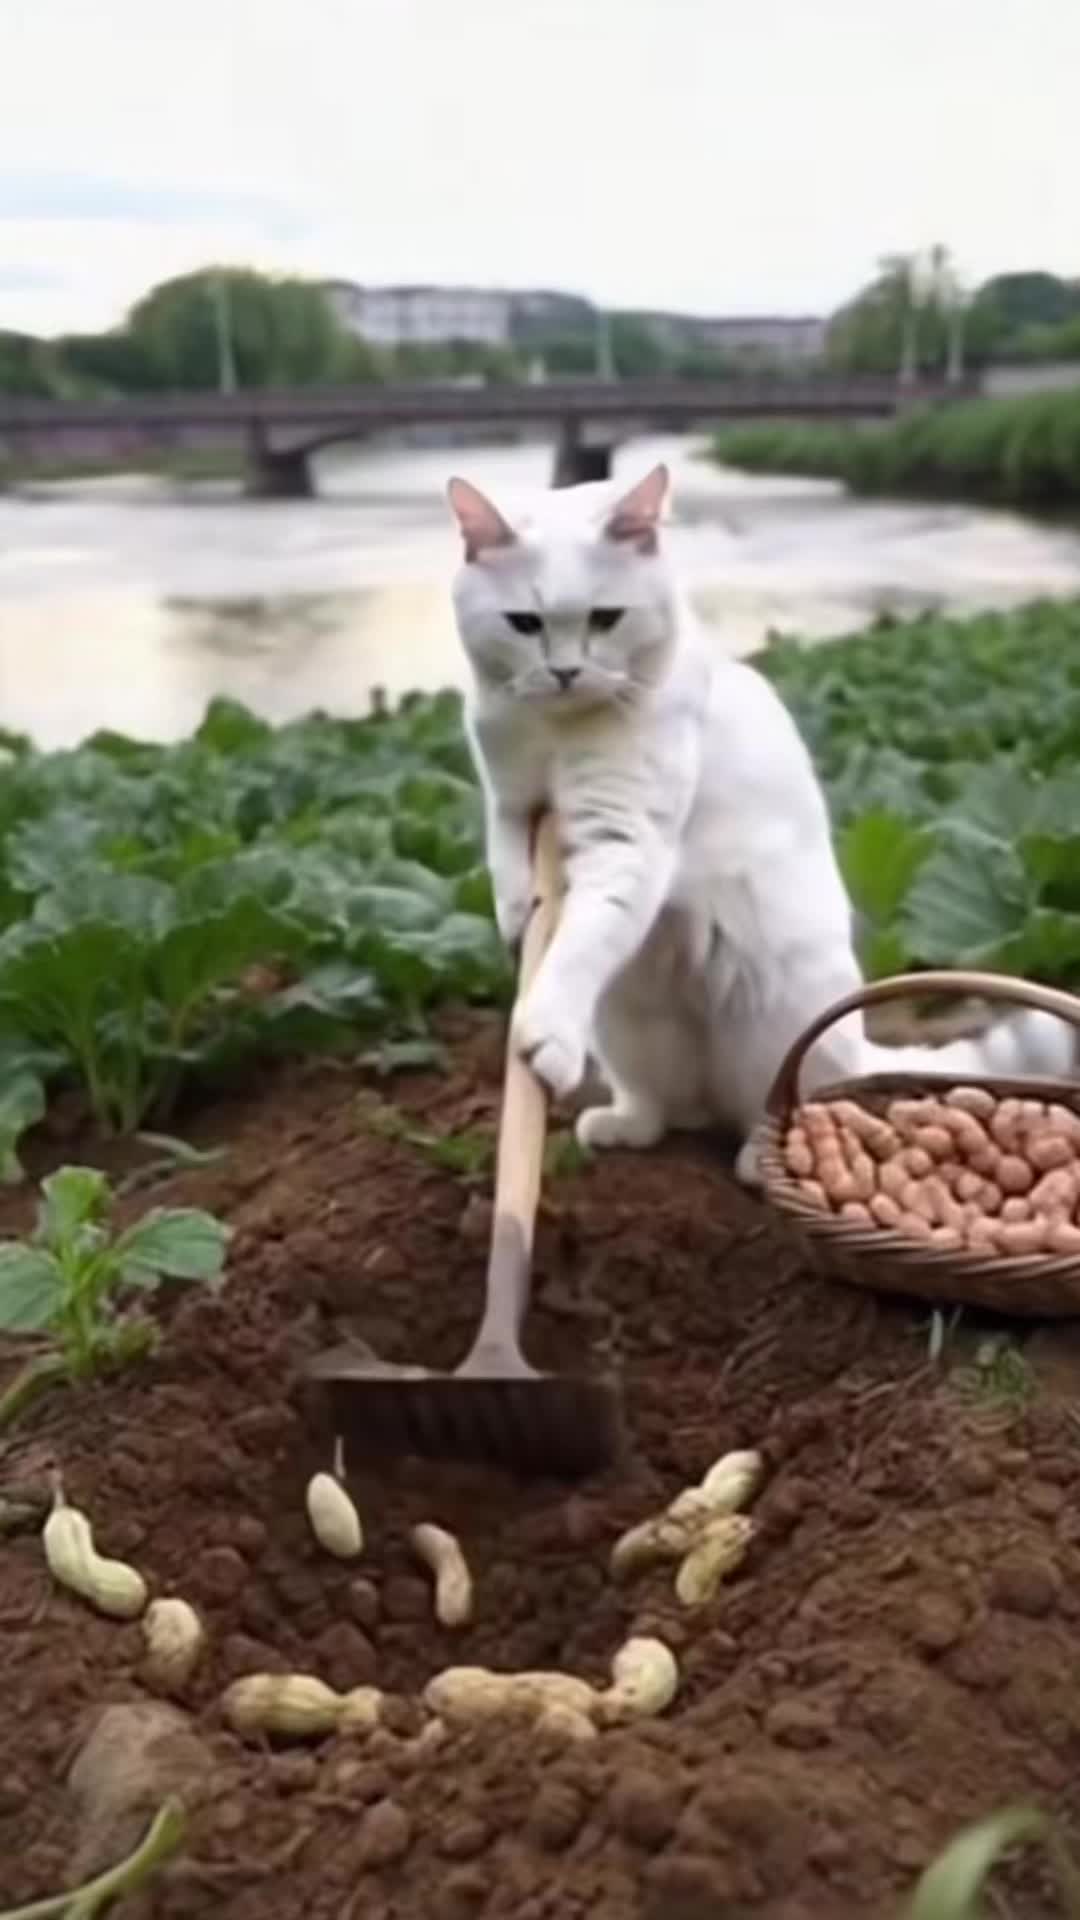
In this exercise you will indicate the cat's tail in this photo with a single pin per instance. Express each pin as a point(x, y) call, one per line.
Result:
point(1031, 1042)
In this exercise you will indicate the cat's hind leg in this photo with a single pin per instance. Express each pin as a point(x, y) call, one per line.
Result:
point(651, 1057)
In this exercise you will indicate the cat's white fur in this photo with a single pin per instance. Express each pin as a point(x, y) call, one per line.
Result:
point(705, 922)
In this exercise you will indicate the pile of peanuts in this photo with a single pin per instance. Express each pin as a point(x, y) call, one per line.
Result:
point(964, 1171)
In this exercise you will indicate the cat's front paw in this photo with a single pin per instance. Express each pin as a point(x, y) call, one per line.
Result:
point(554, 1043)
point(638, 1124)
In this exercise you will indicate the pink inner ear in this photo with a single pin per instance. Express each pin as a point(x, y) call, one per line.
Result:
point(636, 517)
point(482, 525)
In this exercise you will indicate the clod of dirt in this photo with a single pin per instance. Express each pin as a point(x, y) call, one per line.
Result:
point(294, 1772)
point(556, 1816)
point(463, 1894)
point(687, 1886)
point(463, 1837)
point(344, 1657)
point(799, 1724)
point(218, 1575)
point(385, 1835)
point(247, 1535)
point(134, 1757)
point(973, 1473)
point(362, 1600)
point(1020, 1583)
point(645, 1808)
point(937, 1622)
point(405, 1599)
point(240, 1654)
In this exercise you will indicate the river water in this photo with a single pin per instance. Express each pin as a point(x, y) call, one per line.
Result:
point(129, 605)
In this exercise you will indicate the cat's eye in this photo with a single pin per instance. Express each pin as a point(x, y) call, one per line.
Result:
point(526, 622)
point(602, 619)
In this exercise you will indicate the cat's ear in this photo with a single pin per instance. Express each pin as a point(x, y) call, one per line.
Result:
point(636, 517)
point(482, 525)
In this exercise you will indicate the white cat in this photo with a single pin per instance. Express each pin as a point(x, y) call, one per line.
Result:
point(705, 922)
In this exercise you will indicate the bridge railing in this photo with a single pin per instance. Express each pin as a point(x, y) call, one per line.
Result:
point(400, 404)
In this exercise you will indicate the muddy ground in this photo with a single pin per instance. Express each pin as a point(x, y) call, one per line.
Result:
point(898, 1653)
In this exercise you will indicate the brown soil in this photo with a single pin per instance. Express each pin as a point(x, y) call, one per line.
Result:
point(897, 1654)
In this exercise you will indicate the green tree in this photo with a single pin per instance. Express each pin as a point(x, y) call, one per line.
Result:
point(114, 362)
point(1009, 305)
point(29, 366)
point(635, 349)
point(277, 332)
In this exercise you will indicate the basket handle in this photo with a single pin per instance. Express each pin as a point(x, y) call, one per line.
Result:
point(989, 986)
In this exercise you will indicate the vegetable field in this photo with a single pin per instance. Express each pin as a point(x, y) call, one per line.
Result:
point(819, 1620)
point(950, 751)
point(170, 913)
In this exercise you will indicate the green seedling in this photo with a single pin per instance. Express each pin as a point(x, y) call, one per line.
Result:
point(952, 1887)
point(163, 1839)
point(76, 1282)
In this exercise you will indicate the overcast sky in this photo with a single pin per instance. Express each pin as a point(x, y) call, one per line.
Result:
point(712, 155)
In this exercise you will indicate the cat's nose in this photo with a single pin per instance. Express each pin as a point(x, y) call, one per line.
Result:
point(565, 676)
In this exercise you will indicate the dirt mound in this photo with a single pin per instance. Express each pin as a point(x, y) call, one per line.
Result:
point(894, 1657)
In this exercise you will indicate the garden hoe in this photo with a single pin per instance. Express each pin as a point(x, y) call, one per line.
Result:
point(495, 1407)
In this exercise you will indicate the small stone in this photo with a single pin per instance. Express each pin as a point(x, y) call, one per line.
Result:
point(385, 1834)
point(1022, 1583)
point(463, 1837)
point(218, 1574)
point(344, 1657)
point(405, 1599)
point(362, 1600)
point(644, 1809)
point(556, 1816)
point(937, 1622)
point(799, 1724)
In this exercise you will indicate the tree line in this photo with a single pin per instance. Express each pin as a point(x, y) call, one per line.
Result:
point(233, 326)
point(915, 316)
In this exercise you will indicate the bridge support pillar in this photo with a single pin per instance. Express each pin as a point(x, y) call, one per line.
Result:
point(578, 458)
point(275, 475)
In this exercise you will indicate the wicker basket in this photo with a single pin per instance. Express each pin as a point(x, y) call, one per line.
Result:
point(880, 1257)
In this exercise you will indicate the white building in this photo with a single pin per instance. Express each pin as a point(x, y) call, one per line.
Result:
point(422, 316)
point(779, 339)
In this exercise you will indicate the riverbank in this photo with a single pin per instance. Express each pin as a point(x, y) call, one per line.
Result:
point(1018, 452)
point(187, 466)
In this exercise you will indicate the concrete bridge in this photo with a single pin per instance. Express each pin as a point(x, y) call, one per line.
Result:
point(278, 431)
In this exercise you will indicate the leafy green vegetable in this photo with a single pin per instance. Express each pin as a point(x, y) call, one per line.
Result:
point(170, 911)
point(71, 1278)
point(947, 749)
